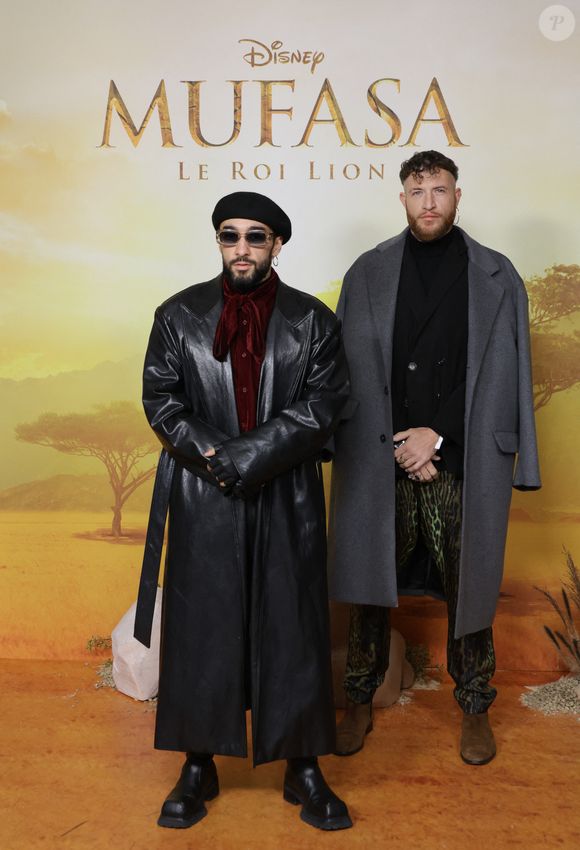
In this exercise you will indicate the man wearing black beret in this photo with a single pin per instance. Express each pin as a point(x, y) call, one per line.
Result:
point(245, 381)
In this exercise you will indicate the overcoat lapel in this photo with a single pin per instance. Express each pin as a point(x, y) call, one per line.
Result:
point(287, 347)
point(485, 296)
point(215, 377)
point(382, 285)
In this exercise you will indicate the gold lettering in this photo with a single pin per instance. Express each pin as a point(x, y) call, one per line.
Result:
point(201, 171)
point(268, 110)
point(266, 171)
point(254, 57)
point(282, 174)
point(383, 112)
point(327, 96)
point(238, 170)
point(355, 174)
point(317, 58)
point(374, 170)
point(159, 102)
point(434, 93)
point(311, 174)
point(193, 87)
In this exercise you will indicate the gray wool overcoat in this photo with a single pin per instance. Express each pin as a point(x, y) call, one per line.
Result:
point(500, 437)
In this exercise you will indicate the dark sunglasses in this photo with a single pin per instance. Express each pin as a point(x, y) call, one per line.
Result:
point(254, 238)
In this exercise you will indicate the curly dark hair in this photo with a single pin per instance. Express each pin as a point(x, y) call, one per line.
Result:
point(431, 161)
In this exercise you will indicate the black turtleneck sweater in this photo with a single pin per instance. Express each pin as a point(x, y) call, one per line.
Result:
point(430, 343)
point(429, 255)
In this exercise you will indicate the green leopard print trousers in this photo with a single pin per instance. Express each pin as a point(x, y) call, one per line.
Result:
point(432, 511)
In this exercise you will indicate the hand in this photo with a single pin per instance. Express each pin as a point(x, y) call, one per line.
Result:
point(221, 467)
point(426, 473)
point(417, 450)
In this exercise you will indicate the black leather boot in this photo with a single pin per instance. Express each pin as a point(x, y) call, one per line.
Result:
point(198, 782)
point(304, 783)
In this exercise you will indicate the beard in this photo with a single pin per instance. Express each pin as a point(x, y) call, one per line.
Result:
point(428, 232)
point(250, 279)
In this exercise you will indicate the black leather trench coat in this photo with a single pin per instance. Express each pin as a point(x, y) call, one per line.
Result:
point(207, 669)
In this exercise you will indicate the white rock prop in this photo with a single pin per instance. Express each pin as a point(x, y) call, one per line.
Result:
point(400, 674)
point(136, 668)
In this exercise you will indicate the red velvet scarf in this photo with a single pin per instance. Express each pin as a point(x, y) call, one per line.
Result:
point(242, 331)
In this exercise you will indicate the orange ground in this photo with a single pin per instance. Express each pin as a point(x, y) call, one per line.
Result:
point(59, 587)
point(79, 772)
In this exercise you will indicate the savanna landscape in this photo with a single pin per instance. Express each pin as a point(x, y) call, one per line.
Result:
point(77, 464)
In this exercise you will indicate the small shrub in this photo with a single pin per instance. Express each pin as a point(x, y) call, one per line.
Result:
point(96, 643)
point(566, 640)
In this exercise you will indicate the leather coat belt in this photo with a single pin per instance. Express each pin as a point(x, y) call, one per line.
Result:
point(153, 548)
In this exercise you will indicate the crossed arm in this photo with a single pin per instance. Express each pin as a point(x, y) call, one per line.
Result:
point(248, 460)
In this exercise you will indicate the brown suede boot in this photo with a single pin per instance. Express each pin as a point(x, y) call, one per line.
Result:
point(350, 732)
point(477, 741)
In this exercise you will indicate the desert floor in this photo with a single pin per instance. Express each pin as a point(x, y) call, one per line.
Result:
point(79, 772)
point(60, 586)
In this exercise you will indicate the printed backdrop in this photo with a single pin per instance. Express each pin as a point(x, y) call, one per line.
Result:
point(120, 127)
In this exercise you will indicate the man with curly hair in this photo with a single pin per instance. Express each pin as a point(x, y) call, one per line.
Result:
point(436, 333)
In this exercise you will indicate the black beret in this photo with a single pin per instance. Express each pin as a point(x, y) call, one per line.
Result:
point(255, 207)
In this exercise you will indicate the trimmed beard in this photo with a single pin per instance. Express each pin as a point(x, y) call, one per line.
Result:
point(250, 280)
point(444, 225)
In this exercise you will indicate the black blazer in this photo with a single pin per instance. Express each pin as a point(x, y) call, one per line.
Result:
point(430, 352)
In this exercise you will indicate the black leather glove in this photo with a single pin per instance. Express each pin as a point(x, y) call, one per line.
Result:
point(223, 469)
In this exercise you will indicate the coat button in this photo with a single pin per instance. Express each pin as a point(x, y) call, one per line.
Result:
point(383, 438)
point(386, 390)
point(412, 366)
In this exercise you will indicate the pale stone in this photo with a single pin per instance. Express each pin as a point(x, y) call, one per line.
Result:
point(399, 676)
point(136, 668)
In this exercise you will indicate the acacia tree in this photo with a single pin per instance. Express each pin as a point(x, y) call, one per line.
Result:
point(116, 434)
point(554, 296)
point(556, 364)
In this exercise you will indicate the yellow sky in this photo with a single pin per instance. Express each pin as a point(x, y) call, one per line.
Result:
point(91, 240)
